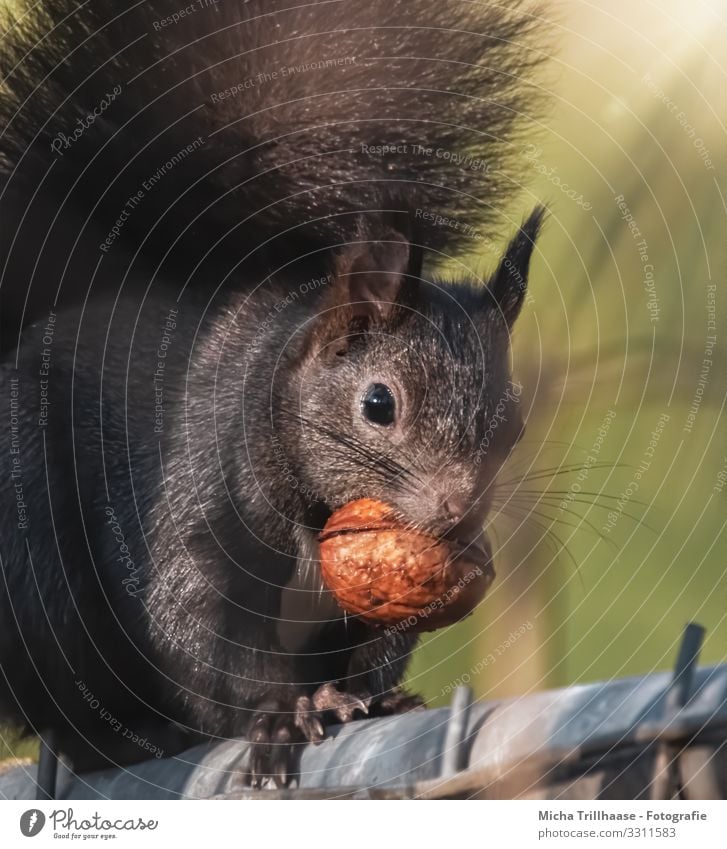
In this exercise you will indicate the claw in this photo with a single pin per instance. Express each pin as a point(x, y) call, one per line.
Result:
point(283, 739)
point(281, 723)
point(273, 734)
point(343, 705)
point(308, 720)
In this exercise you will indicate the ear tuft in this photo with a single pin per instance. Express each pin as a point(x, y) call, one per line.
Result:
point(510, 282)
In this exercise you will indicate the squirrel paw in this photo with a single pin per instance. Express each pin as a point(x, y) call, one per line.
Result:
point(342, 704)
point(274, 733)
point(278, 728)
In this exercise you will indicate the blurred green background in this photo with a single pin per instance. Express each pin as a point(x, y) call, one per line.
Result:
point(611, 338)
point(617, 336)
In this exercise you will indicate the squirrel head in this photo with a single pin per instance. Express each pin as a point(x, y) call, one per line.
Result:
point(403, 392)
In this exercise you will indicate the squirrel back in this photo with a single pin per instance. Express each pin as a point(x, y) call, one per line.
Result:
point(230, 136)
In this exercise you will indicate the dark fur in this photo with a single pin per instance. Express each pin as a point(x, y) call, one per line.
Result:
point(262, 433)
point(281, 172)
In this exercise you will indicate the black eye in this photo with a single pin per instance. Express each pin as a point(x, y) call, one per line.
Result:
point(378, 404)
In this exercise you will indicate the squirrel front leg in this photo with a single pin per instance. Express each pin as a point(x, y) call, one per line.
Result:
point(216, 642)
point(245, 686)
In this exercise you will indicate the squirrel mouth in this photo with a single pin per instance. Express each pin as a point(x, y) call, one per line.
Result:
point(465, 544)
point(476, 548)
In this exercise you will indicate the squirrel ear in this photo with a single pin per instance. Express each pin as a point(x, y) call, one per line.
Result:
point(372, 278)
point(371, 283)
point(509, 283)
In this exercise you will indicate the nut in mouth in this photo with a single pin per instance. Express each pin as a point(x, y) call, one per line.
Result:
point(385, 571)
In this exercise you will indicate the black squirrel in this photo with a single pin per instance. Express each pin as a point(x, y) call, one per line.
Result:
point(218, 327)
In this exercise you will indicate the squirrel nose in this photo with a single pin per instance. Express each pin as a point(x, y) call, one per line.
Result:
point(464, 516)
point(455, 508)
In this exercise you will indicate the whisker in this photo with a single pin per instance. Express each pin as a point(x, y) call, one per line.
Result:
point(539, 474)
point(374, 459)
point(564, 492)
point(581, 520)
point(548, 534)
point(556, 501)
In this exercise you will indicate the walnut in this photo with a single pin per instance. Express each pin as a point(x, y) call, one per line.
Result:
point(387, 573)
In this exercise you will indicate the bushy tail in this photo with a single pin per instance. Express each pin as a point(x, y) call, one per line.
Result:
point(263, 129)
